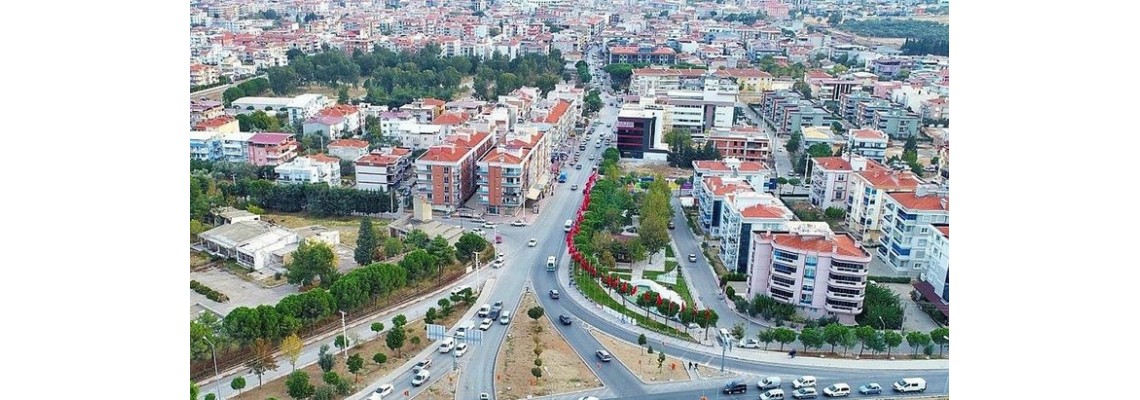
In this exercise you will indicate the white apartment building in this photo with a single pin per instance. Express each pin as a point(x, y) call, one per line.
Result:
point(297, 108)
point(755, 173)
point(744, 213)
point(414, 135)
point(865, 191)
point(235, 147)
point(937, 273)
point(869, 143)
point(906, 226)
point(829, 177)
point(348, 149)
point(383, 169)
point(317, 168)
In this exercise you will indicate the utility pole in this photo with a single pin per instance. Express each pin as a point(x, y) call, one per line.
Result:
point(217, 379)
point(344, 334)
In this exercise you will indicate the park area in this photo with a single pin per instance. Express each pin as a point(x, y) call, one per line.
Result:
point(562, 370)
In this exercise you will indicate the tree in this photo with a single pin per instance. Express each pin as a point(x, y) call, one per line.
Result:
point(365, 242)
point(738, 330)
point(415, 341)
point(431, 315)
point(355, 363)
point(325, 359)
point(892, 339)
point(393, 246)
point(660, 359)
point(341, 342)
point(291, 345)
point(468, 245)
point(399, 321)
point(535, 312)
point(312, 260)
point(537, 372)
point(238, 384)
point(819, 150)
point(342, 95)
point(767, 336)
point(654, 233)
point(417, 239)
point(833, 334)
point(940, 337)
point(298, 385)
point(793, 143)
point(812, 338)
point(848, 340)
point(193, 391)
point(283, 80)
point(916, 340)
point(323, 393)
point(865, 334)
point(642, 340)
point(262, 359)
point(441, 250)
point(377, 327)
point(395, 338)
point(445, 307)
point(379, 358)
point(784, 336)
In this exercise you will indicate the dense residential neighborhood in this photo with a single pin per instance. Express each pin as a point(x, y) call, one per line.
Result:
point(700, 179)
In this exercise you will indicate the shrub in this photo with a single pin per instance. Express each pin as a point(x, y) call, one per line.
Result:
point(208, 292)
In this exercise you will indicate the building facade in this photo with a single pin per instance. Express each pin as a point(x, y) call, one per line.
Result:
point(869, 143)
point(318, 168)
point(383, 169)
point(906, 226)
point(446, 173)
point(865, 193)
point(272, 148)
point(743, 214)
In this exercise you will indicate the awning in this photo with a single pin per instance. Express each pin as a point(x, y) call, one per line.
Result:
point(533, 194)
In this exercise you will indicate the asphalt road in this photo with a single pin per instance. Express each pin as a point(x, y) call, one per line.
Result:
point(712, 390)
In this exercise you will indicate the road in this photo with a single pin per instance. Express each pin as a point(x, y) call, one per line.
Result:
point(783, 162)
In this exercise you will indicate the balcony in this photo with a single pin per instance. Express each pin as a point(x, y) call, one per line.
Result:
point(844, 296)
point(849, 271)
point(846, 284)
point(842, 309)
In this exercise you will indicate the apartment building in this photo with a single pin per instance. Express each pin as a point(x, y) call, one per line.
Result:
point(201, 75)
point(697, 111)
point(383, 169)
point(753, 82)
point(641, 54)
point(897, 123)
point(849, 105)
point(317, 168)
point(743, 214)
point(235, 147)
point(641, 133)
point(201, 110)
point(646, 80)
point(560, 120)
point(865, 193)
point(934, 282)
point(790, 266)
point(220, 124)
point(709, 194)
point(906, 225)
point(829, 177)
point(502, 179)
point(787, 112)
point(869, 143)
point(348, 149)
point(935, 109)
point(335, 121)
point(298, 108)
point(205, 146)
point(745, 143)
point(757, 174)
point(832, 89)
point(272, 148)
point(445, 174)
point(813, 135)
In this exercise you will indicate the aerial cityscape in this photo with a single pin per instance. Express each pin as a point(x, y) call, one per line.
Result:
point(577, 199)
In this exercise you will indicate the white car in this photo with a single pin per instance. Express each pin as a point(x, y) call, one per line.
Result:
point(486, 324)
point(518, 222)
point(383, 390)
point(497, 264)
point(484, 310)
point(460, 349)
point(532, 243)
point(421, 377)
point(501, 256)
point(749, 343)
point(488, 225)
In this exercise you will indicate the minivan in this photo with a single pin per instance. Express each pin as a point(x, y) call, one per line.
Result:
point(909, 385)
point(770, 382)
point(837, 390)
point(446, 345)
point(735, 387)
point(805, 381)
point(772, 394)
point(505, 318)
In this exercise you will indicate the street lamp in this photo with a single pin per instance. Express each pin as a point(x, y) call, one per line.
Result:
point(344, 334)
point(217, 379)
point(883, 322)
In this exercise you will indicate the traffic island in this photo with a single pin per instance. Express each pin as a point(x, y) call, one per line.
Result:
point(648, 367)
point(561, 369)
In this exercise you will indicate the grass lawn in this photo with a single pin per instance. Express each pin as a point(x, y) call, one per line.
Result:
point(594, 291)
point(682, 289)
point(198, 260)
point(669, 251)
point(347, 226)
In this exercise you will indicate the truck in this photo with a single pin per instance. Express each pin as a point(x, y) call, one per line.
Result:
point(550, 264)
point(562, 178)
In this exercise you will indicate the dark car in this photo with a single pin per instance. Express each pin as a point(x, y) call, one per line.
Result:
point(564, 319)
point(604, 356)
point(735, 387)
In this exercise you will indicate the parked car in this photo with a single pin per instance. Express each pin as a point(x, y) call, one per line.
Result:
point(871, 388)
point(486, 324)
point(497, 264)
point(532, 243)
point(804, 393)
point(564, 319)
point(910, 385)
point(772, 394)
point(837, 390)
point(554, 294)
point(383, 390)
point(604, 356)
point(460, 349)
point(735, 387)
point(422, 365)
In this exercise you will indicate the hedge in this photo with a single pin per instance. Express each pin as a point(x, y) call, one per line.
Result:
point(208, 292)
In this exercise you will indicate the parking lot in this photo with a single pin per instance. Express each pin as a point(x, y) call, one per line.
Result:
point(240, 292)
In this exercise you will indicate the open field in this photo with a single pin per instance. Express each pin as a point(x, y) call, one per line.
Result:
point(353, 92)
point(562, 369)
point(347, 226)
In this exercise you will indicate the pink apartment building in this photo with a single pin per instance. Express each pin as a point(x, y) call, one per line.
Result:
point(272, 148)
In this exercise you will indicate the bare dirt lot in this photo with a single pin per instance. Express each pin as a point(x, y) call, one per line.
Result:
point(642, 364)
point(442, 389)
point(562, 369)
point(348, 227)
point(353, 92)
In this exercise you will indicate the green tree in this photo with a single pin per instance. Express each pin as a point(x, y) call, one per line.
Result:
point(395, 338)
point(417, 239)
point(849, 339)
point(784, 336)
point(865, 334)
point(193, 391)
point(365, 242)
point(291, 345)
point(323, 393)
point(537, 372)
point(262, 359)
point(445, 306)
point(325, 359)
point(660, 359)
point(399, 321)
point(342, 95)
point(819, 150)
point(654, 233)
point(642, 340)
point(415, 341)
point(341, 342)
point(313, 260)
point(298, 385)
point(283, 80)
point(892, 339)
point(238, 384)
point(377, 327)
point(767, 336)
point(940, 337)
point(833, 334)
point(535, 312)
point(917, 340)
point(331, 378)
point(782, 181)
point(379, 358)
point(442, 250)
point(468, 245)
point(812, 338)
point(232, 94)
point(355, 363)
point(431, 315)
point(793, 143)
point(393, 246)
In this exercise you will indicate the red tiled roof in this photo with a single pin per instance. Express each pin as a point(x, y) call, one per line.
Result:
point(833, 163)
point(433, 102)
point(930, 202)
point(763, 211)
point(339, 110)
point(324, 158)
point(215, 122)
point(269, 138)
point(502, 155)
point(455, 148)
point(843, 244)
point(868, 134)
point(377, 160)
point(944, 228)
point(557, 112)
point(716, 165)
point(890, 181)
point(354, 143)
point(449, 119)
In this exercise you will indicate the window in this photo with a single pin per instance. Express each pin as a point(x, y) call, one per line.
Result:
point(806, 298)
point(811, 260)
point(809, 272)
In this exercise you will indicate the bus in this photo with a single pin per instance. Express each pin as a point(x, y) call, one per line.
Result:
point(568, 225)
point(550, 264)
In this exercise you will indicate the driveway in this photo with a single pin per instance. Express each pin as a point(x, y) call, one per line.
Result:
point(240, 292)
point(913, 317)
